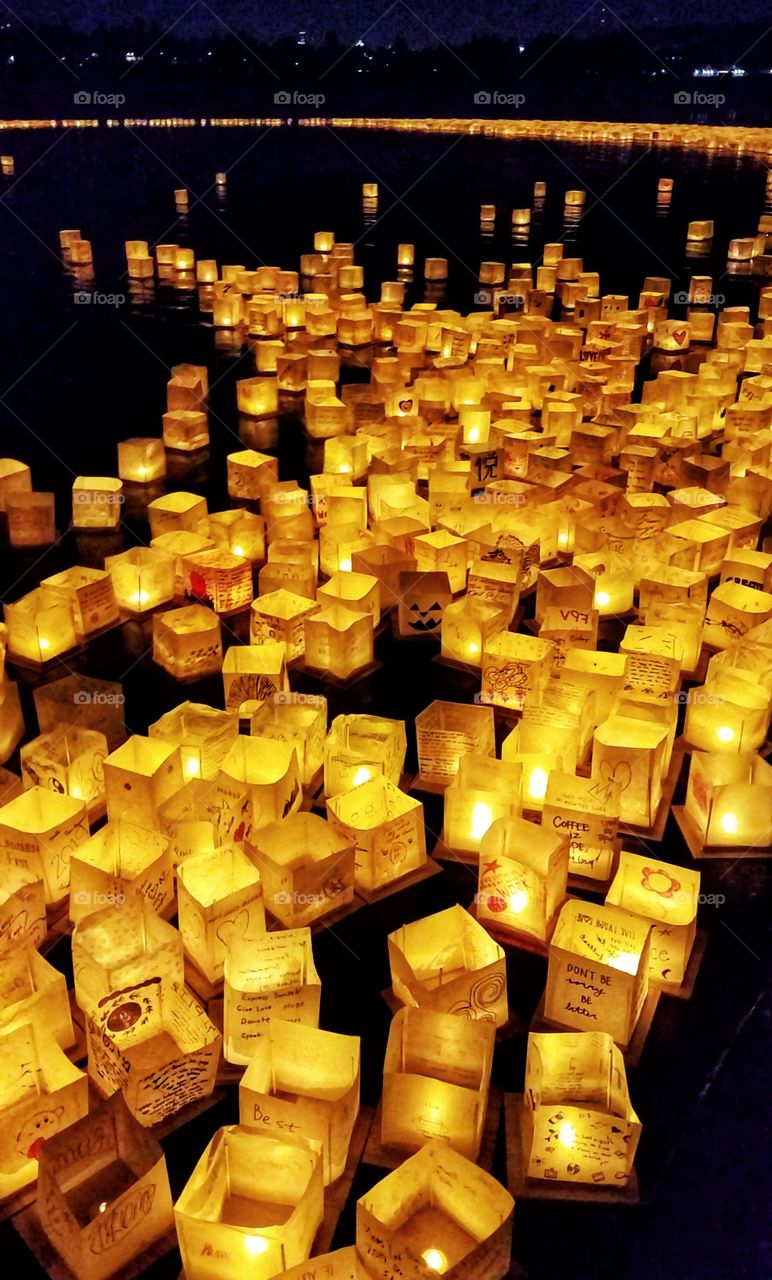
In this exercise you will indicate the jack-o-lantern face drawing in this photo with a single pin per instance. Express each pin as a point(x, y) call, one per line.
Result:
point(423, 597)
point(427, 618)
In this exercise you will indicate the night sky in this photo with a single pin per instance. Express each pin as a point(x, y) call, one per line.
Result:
point(419, 22)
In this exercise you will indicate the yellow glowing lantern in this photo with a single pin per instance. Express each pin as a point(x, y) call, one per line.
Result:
point(587, 814)
point(240, 532)
point(177, 511)
point(268, 774)
point(220, 898)
point(42, 1092)
point(729, 799)
point(632, 753)
point(727, 714)
point(307, 868)
point(436, 1214)
point(598, 975)
point(31, 518)
point(268, 976)
point(185, 430)
point(307, 1079)
point(250, 473)
point(203, 734)
point(280, 616)
point(523, 873)
point(514, 667)
point(141, 459)
point(387, 827)
point(581, 1080)
point(614, 582)
point(120, 945)
point(227, 308)
point(405, 255)
point(254, 673)
point(482, 791)
point(360, 747)
point(734, 609)
point(253, 1204)
point(665, 897)
point(257, 397)
point(568, 589)
point(700, 230)
point(187, 642)
point(105, 1192)
point(188, 387)
point(206, 271)
point(121, 859)
point(96, 502)
point(15, 477)
point(357, 591)
point(218, 578)
point(338, 641)
point(22, 894)
point(467, 626)
point(35, 993)
point(436, 1078)
point(142, 579)
point(435, 269)
point(156, 1045)
point(90, 596)
point(448, 963)
point(139, 776)
point(448, 731)
point(40, 830)
point(68, 760)
point(300, 720)
point(442, 552)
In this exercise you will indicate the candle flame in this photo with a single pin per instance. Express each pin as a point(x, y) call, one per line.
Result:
point(435, 1259)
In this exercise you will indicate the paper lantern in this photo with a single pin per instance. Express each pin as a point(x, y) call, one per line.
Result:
point(467, 624)
point(267, 977)
point(421, 603)
point(300, 720)
point(307, 868)
point(187, 642)
point(156, 1045)
point(41, 1093)
point(22, 901)
point(141, 460)
point(445, 553)
point(598, 975)
point(632, 754)
point(729, 799)
point(68, 761)
point(666, 898)
point(31, 518)
point(436, 1213)
point(614, 582)
point(569, 589)
point(203, 734)
point(435, 269)
point(523, 873)
point(361, 747)
point(34, 992)
point(96, 502)
point(120, 859)
point(250, 473)
point(253, 1204)
point(15, 477)
point(405, 255)
point(139, 776)
point(40, 830)
point(177, 511)
point(120, 946)
point(196, 819)
point(338, 641)
point(577, 1122)
point(11, 719)
point(482, 790)
point(103, 1192)
point(90, 596)
point(308, 1080)
point(447, 731)
point(40, 626)
point(448, 963)
point(727, 715)
point(185, 430)
point(254, 673)
point(280, 616)
point(587, 813)
point(436, 1077)
point(220, 898)
point(142, 579)
point(514, 667)
point(218, 578)
point(357, 591)
point(240, 532)
point(82, 701)
point(257, 397)
point(227, 309)
point(387, 828)
point(268, 773)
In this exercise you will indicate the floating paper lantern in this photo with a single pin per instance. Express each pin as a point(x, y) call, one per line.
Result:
point(96, 502)
point(361, 747)
point(467, 624)
point(587, 813)
point(141, 460)
point(173, 512)
point(307, 868)
point(269, 976)
point(514, 667)
point(727, 715)
point(356, 591)
point(203, 734)
point(250, 473)
point(220, 898)
point(82, 701)
point(90, 596)
point(300, 720)
point(40, 626)
point(35, 993)
point(31, 518)
point(139, 776)
point(240, 532)
point(15, 477)
point(104, 1192)
point(445, 553)
point(22, 899)
point(254, 673)
point(308, 1079)
point(69, 761)
point(268, 773)
point(448, 963)
point(187, 642)
point(186, 430)
point(218, 578)
point(577, 1122)
point(598, 975)
point(11, 719)
point(280, 616)
point(40, 830)
point(729, 799)
point(633, 754)
point(436, 1214)
point(435, 268)
point(257, 397)
point(447, 731)
point(338, 641)
point(142, 579)
point(387, 828)
point(482, 791)
point(422, 600)
point(120, 859)
point(120, 946)
point(665, 897)
point(156, 1045)
point(253, 1203)
point(42, 1092)
point(523, 873)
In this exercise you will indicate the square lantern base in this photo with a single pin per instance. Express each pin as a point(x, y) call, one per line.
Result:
point(633, 1050)
point(384, 1157)
point(323, 677)
point(525, 1188)
point(727, 853)
point(28, 1227)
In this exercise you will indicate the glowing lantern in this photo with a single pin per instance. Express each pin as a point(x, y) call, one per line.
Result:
point(267, 977)
point(103, 1191)
point(523, 873)
point(569, 589)
point(218, 578)
point(220, 899)
point(90, 596)
point(36, 993)
point(267, 770)
point(598, 975)
point(40, 830)
point(177, 511)
point(729, 799)
point(361, 747)
point(120, 946)
point(257, 397)
point(734, 609)
point(495, 585)
point(435, 269)
point(250, 473)
point(306, 1078)
point(632, 754)
point(40, 626)
point(482, 791)
point(467, 625)
point(142, 579)
point(187, 642)
point(15, 477)
point(421, 603)
point(31, 518)
point(436, 1077)
point(280, 616)
point(185, 430)
point(300, 720)
point(96, 502)
point(22, 900)
point(203, 734)
point(11, 718)
point(602, 673)
point(356, 591)
point(41, 1093)
point(614, 582)
point(447, 731)
point(118, 860)
point(387, 828)
point(68, 761)
point(139, 776)
point(338, 641)
point(514, 667)
point(307, 868)
point(587, 813)
point(665, 897)
point(240, 532)
point(448, 963)
point(727, 715)
point(227, 308)
point(436, 1214)
point(581, 1079)
point(254, 673)
point(253, 1205)
point(442, 552)
point(82, 701)
point(141, 460)
point(156, 1045)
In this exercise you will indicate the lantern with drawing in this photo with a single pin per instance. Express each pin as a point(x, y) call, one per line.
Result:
point(267, 772)
point(523, 874)
point(39, 831)
point(121, 945)
point(482, 791)
point(268, 976)
point(387, 827)
point(187, 642)
point(218, 578)
point(139, 776)
point(729, 799)
point(514, 667)
point(120, 859)
point(69, 762)
point(665, 897)
point(220, 898)
point(587, 812)
point(445, 732)
point(203, 734)
point(447, 962)
point(142, 579)
point(280, 616)
point(633, 755)
point(90, 596)
point(254, 673)
point(307, 868)
point(22, 900)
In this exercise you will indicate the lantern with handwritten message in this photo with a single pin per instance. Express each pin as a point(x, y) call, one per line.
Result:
point(142, 579)
point(268, 976)
point(306, 1082)
point(445, 732)
point(436, 1214)
point(577, 1122)
point(139, 776)
point(90, 595)
point(523, 873)
point(482, 791)
point(252, 1205)
point(40, 830)
point(40, 626)
point(203, 734)
point(41, 1093)
point(22, 902)
point(632, 754)
point(250, 473)
point(187, 642)
point(436, 1076)
point(387, 827)
point(120, 859)
point(665, 897)
point(280, 616)
point(121, 945)
point(598, 975)
point(729, 799)
point(220, 899)
point(360, 747)
point(175, 512)
point(103, 1192)
point(514, 667)
point(307, 868)
point(70, 762)
point(218, 578)
point(447, 962)
point(587, 812)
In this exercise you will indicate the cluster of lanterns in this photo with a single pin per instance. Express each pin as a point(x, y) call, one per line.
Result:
point(492, 462)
